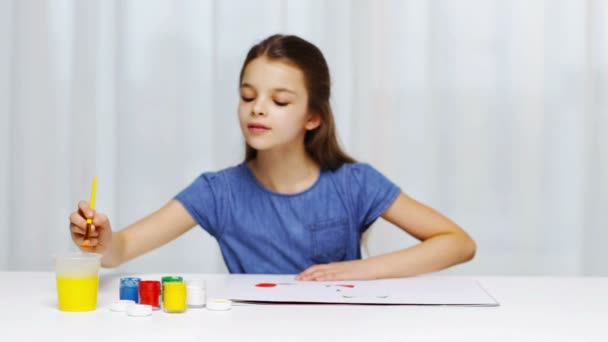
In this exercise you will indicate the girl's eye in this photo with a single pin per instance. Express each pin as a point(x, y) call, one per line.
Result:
point(281, 104)
point(247, 99)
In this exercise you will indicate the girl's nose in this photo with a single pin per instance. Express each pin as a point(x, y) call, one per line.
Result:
point(257, 110)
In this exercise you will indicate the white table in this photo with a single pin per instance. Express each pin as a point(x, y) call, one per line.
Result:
point(531, 309)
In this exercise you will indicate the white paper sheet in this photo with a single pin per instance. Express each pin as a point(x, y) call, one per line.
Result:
point(424, 290)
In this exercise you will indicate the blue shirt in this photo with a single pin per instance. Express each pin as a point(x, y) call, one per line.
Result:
point(260, 231)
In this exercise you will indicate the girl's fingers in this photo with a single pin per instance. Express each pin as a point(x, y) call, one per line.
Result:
point(77, 220)
point(327, 276)
point(85, 211)
point(317, 275)
point(89, 243)
point(304, 274)
point(100, 221)
point(83, 206)
point(311, 272)
point(78, 238)
point(77, 230)
point(80, 232)
point(78, 225)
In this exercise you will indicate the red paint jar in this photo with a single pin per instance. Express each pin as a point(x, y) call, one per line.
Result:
point(149, 293)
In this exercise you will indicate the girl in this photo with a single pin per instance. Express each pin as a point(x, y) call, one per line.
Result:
point(297, 204)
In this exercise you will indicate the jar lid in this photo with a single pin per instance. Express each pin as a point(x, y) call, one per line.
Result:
point(149, 285)
point(121, 305)
point(129, 281)
point(139, 310)
point(168, 279)
point(219, 304)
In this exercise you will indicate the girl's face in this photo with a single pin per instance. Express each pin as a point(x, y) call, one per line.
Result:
point(273, 110)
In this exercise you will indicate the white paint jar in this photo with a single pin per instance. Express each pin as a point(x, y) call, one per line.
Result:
point(197, 296)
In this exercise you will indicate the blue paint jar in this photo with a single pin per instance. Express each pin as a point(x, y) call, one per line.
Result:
point(129, 289)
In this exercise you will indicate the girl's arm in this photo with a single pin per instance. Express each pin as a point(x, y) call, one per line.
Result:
point(153, 231)
point(443, 244)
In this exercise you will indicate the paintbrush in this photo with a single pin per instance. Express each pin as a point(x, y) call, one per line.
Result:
point(87, 233)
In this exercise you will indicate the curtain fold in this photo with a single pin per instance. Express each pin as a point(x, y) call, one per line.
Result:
point(493, 112)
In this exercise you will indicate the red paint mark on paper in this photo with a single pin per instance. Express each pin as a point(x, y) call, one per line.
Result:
point(344, 285)
point(266, 285)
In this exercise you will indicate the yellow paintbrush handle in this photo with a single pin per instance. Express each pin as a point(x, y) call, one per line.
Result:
point(92, 199)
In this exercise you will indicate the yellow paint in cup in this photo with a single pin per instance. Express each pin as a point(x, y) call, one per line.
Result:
point(77, 294)
point(77, 280)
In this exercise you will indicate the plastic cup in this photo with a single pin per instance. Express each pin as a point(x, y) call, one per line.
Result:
point(77, 277)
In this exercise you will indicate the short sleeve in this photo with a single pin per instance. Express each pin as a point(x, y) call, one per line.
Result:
point(373, 193)
point(202, 200)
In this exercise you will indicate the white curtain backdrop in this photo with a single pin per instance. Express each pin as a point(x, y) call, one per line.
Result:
point(492, 111)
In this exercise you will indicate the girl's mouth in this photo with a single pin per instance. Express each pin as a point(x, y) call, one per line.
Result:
point(257, 128)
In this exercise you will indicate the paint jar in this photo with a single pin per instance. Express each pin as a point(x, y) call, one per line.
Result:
point(196, 293)
point(174, 297)
point(149, 293)
point(129, 289)
point(77, 279)
point(169, 279)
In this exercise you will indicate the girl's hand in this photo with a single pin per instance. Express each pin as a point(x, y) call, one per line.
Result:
point(344, 270)
point(100, 235)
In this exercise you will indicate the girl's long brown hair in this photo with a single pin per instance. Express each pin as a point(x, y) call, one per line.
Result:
point(321, 143)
